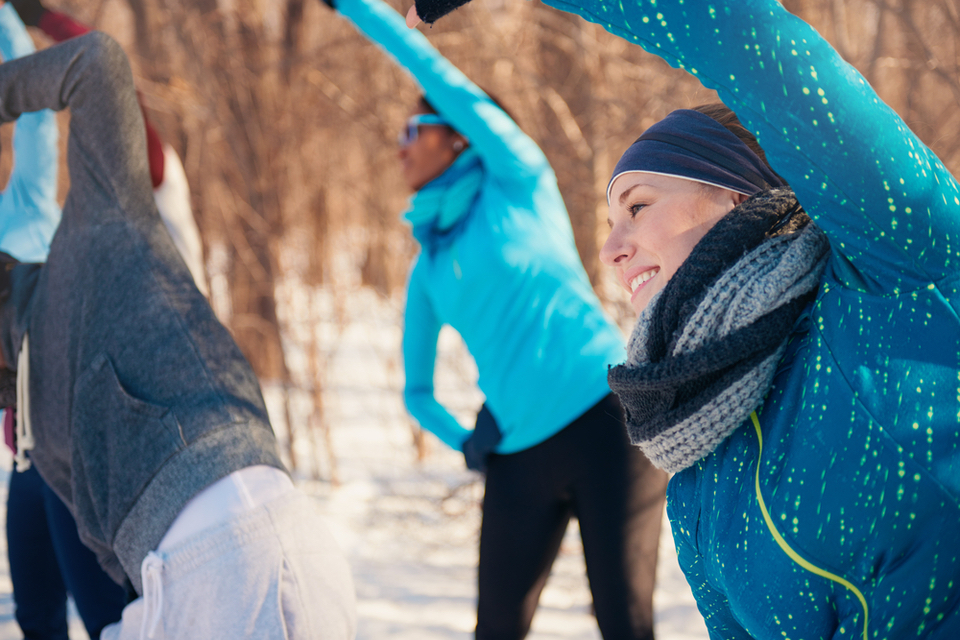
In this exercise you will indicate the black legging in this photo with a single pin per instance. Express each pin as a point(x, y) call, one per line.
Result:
point(47, 560)
point(588, 470)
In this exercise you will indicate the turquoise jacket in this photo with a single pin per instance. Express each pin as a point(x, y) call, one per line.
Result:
point(29, 213)
point(837, 516)
point(506, 276)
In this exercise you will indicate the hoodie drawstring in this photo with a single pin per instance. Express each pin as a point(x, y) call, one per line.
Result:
point(151, 574)
point(24, 428)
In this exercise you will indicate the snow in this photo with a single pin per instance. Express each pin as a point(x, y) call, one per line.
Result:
point(409, 526)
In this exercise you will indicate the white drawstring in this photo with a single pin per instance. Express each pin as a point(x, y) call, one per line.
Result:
point(24, 428)
point(151, 574)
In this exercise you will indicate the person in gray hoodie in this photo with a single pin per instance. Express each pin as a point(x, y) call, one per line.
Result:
point(135, 404)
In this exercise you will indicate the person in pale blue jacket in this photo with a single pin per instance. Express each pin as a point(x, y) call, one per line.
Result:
point(29, 213)
point(498, 263)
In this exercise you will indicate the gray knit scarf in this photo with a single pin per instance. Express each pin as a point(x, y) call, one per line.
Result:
point(705, 350)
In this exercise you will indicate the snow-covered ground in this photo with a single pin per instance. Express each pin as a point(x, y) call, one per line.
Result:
point(409, 524)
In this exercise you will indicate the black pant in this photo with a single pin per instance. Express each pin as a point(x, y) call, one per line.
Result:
point(47, 560)
point(588, 470)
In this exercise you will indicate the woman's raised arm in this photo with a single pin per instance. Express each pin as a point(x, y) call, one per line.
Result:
point(505, 149)
point(888, 204)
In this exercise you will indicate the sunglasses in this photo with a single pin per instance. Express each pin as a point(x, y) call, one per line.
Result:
point(411, 130)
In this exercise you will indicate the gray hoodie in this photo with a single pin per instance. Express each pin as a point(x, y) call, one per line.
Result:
point(139, 397)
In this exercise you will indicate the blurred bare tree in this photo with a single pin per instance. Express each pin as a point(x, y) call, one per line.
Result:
point(286, 118)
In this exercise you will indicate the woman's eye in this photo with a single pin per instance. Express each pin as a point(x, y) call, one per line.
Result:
point(635, 209)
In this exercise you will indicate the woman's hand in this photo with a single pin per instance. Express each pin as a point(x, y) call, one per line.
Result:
point(483, 441)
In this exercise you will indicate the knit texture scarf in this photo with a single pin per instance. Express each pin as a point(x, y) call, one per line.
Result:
point(440, 208)
point(705, 350)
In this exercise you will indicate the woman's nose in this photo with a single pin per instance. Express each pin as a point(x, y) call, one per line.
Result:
point(615, 249)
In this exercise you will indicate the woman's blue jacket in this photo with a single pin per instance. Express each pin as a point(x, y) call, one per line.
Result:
point(838, 515)
point(29, 213)
point(506, 275)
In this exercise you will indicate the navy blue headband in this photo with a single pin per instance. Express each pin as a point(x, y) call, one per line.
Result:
point(688, 144)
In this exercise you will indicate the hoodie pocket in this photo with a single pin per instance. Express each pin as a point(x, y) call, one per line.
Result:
point(119, 444)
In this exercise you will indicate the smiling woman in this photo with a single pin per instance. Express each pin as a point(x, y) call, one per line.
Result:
point(671, 187)
point(655, 222)
point(668, 190)
point(797, 373)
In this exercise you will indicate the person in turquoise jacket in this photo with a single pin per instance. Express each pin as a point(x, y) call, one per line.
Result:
point(800, 379)
point(498, 263)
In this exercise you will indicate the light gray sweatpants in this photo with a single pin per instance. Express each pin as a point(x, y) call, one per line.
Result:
point(274, 572)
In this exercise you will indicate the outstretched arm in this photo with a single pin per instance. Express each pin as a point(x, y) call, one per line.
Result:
point(887, 203)
point(91, 75)
point(506, 151)
point(60, 27)
point(420, 332)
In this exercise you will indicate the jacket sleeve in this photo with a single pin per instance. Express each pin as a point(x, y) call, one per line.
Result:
point(712, 604)
point(888, 204)
point(91, 75)
point(59, 27)
point(420, 333)
point(33, 179)
point(507, 152)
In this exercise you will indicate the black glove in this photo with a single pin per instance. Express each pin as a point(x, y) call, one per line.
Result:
point(432, 10)
point(484, 439)
point(30, 11)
